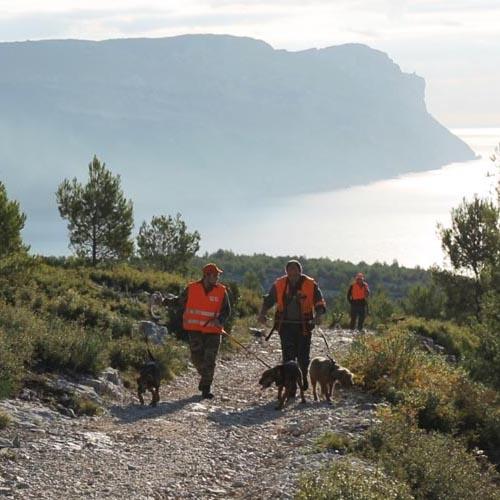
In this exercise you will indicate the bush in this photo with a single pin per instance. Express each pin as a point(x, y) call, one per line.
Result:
point(381, 309)
point(127, 353)
point(460, 341)
point(392, 360)
point(344, 480)
point(16, 347)
point(70, 349)
point(249, 303)
point(30, 341)
point(333, 441)
point(433, 465)
point(425, 302)
point(484, 365)
point(426, 389)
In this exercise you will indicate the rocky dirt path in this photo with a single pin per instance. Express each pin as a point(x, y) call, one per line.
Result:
point(234, 446)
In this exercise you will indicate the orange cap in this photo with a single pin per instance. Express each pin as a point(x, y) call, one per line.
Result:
point(211, 268)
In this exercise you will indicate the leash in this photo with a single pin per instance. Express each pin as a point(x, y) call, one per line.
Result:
point(230, 337)
point(246, 348)
point(322, 333)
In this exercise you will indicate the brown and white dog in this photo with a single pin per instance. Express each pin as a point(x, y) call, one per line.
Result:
point(287, 376)
point(327, 372)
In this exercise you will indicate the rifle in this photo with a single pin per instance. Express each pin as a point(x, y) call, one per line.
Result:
point(276, 327)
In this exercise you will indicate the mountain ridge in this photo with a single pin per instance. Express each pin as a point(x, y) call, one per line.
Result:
point(199, 115)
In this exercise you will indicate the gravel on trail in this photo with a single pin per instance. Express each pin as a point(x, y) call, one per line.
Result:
point(234, 446)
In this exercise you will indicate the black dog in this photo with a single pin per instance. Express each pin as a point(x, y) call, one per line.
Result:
point(149, 379)
point(286, 376)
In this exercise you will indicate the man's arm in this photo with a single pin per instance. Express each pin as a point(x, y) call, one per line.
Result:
point(183, 296)
point(225, 310)
point(319, 301)
point(269, 301)
point(319, 304)
point(349, 294)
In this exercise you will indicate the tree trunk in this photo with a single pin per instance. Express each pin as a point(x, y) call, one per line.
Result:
point(94, 246)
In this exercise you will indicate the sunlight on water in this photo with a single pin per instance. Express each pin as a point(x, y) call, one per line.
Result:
point(383, 221)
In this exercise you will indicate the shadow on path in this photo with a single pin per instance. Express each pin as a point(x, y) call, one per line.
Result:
point(256, 415)
point(132, 413)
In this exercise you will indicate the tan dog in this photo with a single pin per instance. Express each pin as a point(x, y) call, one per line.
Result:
point(327, 372)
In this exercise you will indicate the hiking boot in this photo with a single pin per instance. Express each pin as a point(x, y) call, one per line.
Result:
point(205, 392)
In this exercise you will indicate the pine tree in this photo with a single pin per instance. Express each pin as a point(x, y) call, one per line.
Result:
point(100, 219)
point(11, 223)
point(167, 243)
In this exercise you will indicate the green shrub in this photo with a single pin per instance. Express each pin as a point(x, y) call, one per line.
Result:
point(425, 302)
point(11, 368)
point(391, 360)
point(249, 303)
point(70, 349)
point(333, 441)
point(16, 347)
point(433, 465)
point(484, 364)
point(460, 341)
point(122, 327)
point(344, 480)
point(381, 309)
point(126, 353)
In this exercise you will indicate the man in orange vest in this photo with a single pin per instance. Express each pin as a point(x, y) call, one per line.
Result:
point(299, 307)
point(357, 296)
point(206, 308)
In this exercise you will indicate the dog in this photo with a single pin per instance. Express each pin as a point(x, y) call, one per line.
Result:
point(287, 376)
point(328, 372)
point(149, 379)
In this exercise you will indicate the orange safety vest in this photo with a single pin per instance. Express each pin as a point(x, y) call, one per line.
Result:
point(307, 303)
point(359, 292)
point(202, 306)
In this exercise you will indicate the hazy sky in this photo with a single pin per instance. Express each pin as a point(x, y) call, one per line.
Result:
point(453, 44)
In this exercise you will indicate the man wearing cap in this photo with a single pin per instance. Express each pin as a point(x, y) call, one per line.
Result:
point(206, 308)
point(357, 296)
point(299, 307)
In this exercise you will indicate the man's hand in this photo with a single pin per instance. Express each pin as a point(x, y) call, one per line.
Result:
point(261, 318)
point(318, 319)
point(215, 323)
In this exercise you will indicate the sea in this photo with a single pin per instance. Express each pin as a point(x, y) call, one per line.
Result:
point(394, 220)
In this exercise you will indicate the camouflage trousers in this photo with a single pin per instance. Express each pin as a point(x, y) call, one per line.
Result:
point(204, 348)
